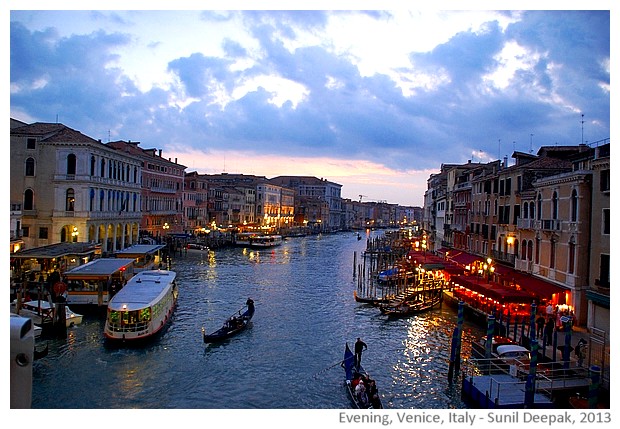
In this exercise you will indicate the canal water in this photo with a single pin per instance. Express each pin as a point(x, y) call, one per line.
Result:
point(287, 359)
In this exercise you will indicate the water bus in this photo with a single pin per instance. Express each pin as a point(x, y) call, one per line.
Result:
point(92, 285)
point(143, 307)
point(146, 256)
point(251, 239)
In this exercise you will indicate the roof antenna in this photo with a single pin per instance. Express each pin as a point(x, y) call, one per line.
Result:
point(582, 128)
point(531, 135)
point(57, 122)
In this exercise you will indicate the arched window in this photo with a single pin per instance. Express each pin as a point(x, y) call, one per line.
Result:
point(530, 250)
point(532, 215)
point(71, 163)
point(516, 250)
point(70, 200)
point(525, 210)
point(102, 167)
point(573, 206)
point(537, 250)
point(552, 245)
point(539, 207)
point(30, 167)
point(554, 206)
point(92, 165)
point(28, 200)
point(523, 249)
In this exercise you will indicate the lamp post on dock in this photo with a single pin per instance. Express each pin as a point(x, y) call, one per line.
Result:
point(489, 269)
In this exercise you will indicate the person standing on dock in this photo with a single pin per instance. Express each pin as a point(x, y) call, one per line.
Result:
point(360, 346)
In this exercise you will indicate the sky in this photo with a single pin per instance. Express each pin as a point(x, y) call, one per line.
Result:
point(375, 100)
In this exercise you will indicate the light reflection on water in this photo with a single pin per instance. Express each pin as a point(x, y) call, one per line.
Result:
point(305, 312)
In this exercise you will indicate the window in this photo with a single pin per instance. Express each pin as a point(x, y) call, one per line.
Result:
point(43, 232)
point(571, 256)
point(30, 167)
point(554, 206)
point(604, 271)
point(25, 231)
point(28, 200)
point(573, 206)
point(605, 178)
point(530, 247)
point(532, 215)
point(71, 164)
point(538, 250)
point(102, 168)
point(606, 226)
point(516, 249)
point(523, 249)
point(70, 200)
point(92, 165)
point(539, 207)
point(31, 143)
point(508, 186)
point(552, 254)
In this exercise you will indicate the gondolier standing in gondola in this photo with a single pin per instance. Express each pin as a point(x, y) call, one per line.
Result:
point(250, 304)
point(360, 346)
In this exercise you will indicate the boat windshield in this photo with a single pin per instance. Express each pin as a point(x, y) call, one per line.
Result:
point(126, 321)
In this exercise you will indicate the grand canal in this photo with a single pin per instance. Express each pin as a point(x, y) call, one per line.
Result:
point(305, 312)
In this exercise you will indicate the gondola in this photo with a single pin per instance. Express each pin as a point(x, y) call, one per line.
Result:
point(353, 376)
point(404, 308)
point(233, 325)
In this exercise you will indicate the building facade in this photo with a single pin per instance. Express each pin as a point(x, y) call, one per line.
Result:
point(73, 188)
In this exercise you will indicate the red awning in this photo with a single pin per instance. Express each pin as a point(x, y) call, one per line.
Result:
point(495, 291)
point(539, 287)
point(464, 258)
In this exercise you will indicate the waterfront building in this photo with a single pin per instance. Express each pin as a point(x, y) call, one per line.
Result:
point(597, 295)
point(319, 200)
point(162, 190)
point(533, 225)
point(72, 188)
point(195, 203)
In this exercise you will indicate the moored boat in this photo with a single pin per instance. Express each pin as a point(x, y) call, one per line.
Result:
point(197, 248)
point(143, 307)
point(408, 308)
point(361, 388)
point(42, 312)
point(234, 324)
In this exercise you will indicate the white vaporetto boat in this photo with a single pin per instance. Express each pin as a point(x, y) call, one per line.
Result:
point(143, 307)
point(257, 240)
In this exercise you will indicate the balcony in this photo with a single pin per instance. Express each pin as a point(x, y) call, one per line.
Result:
point(525, 223)
point(550, 225)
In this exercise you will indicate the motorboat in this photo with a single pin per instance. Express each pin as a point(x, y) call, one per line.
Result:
point(41, 311)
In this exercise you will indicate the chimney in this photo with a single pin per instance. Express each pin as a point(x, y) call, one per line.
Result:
point(160, 153)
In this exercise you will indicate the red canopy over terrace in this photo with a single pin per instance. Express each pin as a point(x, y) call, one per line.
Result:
point(494, 291)
point(528, 282)
point(464, 258)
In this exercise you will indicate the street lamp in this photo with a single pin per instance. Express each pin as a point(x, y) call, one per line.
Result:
point(489, 268)
point(74, 234)
point(166, 227)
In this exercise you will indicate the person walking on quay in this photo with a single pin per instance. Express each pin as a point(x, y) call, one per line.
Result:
point(360, 346)
point(549, 330)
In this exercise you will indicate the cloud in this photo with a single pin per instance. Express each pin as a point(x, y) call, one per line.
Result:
point(299, 82)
